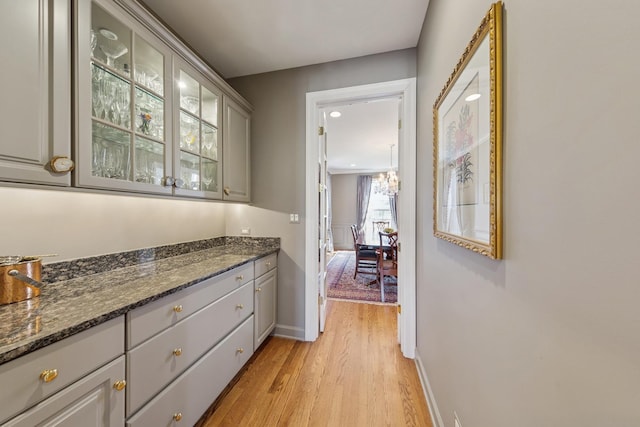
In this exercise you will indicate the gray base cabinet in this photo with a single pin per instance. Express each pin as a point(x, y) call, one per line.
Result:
point(265, 299)
point(185, 348)
point(189, 396)
point(92, 401)
point(69, 383)
point(181, 352)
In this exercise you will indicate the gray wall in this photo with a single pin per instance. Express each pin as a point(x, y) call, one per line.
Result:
point(343, 209)
point(278, 159)
point(549, 336)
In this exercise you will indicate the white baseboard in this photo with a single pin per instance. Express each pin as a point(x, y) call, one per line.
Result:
point(436, 419)
point(290, 332)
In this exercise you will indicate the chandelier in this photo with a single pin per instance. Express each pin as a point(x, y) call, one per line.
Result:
point(387, 183)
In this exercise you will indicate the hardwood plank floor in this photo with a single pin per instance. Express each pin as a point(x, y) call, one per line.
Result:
point(353, 375)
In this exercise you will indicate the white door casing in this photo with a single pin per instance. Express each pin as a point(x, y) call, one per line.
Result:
point(315, 101)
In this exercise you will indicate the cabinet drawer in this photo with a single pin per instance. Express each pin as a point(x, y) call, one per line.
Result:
point(73, 358)
point(196, 389)
point(159, 360)
point(91, 401)
point(148, 320)
point(265, 264)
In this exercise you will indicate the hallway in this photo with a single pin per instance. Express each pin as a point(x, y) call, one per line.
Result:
point(353, 375)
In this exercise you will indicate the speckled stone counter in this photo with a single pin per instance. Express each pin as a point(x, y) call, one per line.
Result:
point(112, 285)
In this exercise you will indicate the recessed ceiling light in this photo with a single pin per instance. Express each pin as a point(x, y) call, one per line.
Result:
point(108, 34)
point(353, 165)
point(335, 114)
point(472, 97)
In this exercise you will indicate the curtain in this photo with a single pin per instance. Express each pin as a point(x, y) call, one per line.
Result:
point(393, 206)
point(362, 201)
point(329, 232)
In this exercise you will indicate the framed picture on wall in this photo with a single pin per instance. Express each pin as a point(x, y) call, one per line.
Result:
point(467, 146)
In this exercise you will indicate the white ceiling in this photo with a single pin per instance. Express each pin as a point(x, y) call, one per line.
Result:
point(243, 37)
point(361, 139)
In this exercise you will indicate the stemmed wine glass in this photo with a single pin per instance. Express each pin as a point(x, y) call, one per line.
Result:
point(207, 175)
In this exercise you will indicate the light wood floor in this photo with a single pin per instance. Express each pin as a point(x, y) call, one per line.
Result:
point(353, 375)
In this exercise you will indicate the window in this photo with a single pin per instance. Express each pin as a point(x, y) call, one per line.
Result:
point(379, 210)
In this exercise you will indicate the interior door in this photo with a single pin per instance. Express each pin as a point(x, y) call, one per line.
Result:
point(400, 130)
point(323, 219)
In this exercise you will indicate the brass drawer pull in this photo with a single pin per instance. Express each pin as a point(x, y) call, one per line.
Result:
point(177, 308)
point(239, 277)
point(240, 306)
point(259, 290)
point(49, 375)
point(240, 350)
point(268, 264)
point(120, 385)
point(177, 352)
point(177, 416)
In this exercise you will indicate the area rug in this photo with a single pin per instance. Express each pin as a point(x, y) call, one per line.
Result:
point(364, 287)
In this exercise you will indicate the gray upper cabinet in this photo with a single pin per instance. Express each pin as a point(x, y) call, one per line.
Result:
point(35, 119)
point(236, 152)
point(197, 119)
point(123, 102)
point(149, 113)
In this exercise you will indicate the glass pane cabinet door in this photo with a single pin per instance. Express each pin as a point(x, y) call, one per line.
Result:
point(197, 122)
point(122, 133)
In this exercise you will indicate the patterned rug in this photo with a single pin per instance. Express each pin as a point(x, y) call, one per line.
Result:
point(364, 287)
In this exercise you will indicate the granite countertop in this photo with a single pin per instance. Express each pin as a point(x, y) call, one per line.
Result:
point(66, 307)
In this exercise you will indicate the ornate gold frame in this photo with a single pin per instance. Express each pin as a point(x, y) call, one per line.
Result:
point(491, 27)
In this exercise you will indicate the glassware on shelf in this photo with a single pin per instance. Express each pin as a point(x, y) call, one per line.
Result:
point(209, 142)
point(113, 50)
point(191, 104)
point(190, 171)
point(209, 172)
point(110, 152)
point(93, 41)
point(149, 161)
point(189, 135)
point(149, 114)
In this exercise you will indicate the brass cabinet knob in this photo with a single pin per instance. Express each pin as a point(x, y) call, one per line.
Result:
point(61, 164)
point(268, 264)
point(177, 416)
point(177, 352)
point(240, 306)
point(240, 350)
point(48, 375)
point(120, 385)
point(259, 290)
point(177, 308)
point(239, 277)
point(227, 191)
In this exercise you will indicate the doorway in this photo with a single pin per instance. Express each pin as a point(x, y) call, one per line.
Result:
point(405, 90)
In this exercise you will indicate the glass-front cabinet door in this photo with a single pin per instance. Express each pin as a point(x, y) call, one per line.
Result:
point(123, 135)
point(197, 151)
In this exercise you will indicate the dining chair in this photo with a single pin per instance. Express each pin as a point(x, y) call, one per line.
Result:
point(379, 226)
point(387, 264)
point(366, 257)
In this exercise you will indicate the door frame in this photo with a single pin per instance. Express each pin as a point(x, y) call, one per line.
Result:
point(406, 90)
